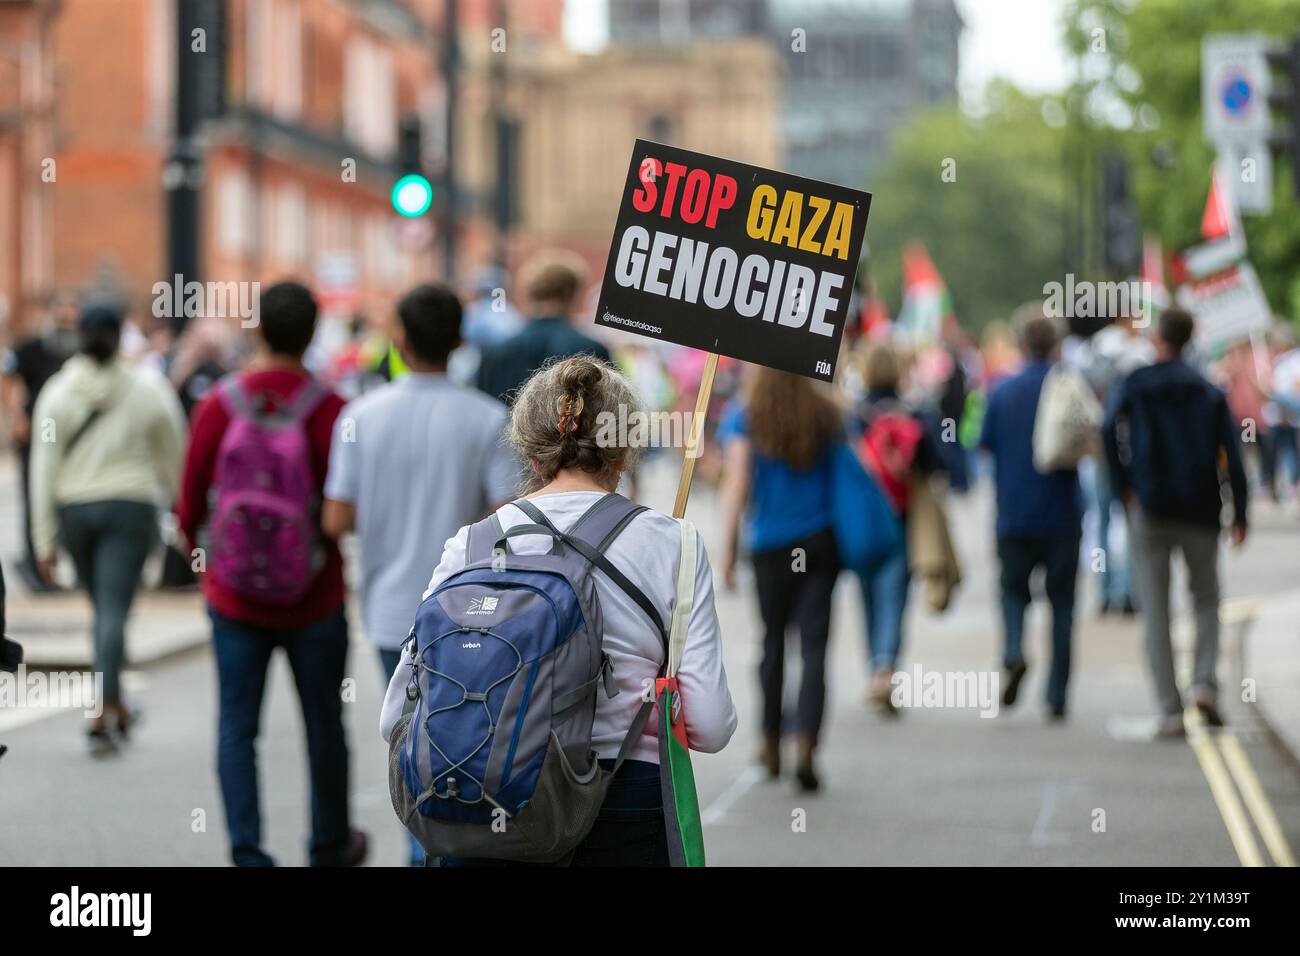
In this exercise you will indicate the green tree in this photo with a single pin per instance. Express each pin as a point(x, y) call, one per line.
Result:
point(986, 196)
point(1153, 51)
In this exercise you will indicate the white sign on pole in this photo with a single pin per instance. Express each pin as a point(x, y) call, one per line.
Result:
point(1234, 88)
point(1248, 172)
point(1229, 307)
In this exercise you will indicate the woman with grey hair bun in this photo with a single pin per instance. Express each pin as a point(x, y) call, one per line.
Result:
point(573, 462)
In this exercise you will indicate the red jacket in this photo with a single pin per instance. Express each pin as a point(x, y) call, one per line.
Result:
point(207, 428)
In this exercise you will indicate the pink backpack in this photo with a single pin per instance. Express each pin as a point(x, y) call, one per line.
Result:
point(263, 539)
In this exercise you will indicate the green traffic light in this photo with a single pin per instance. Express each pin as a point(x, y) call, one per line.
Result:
point(412, 195)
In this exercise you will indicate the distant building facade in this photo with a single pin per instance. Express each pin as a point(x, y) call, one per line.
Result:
point(28, 177)
point(854, 68)
point(575, 117)
point(298, 162)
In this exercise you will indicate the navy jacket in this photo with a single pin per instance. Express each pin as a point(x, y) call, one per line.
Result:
point(1169, 439)
point(507, 365)
point(1029, 504)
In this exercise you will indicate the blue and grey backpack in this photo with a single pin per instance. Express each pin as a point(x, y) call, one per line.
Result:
point(493, 756)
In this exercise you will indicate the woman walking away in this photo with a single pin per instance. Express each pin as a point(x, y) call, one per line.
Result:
point(573, 464)
point(109, 449)
point(898, 450)
point(777, 443)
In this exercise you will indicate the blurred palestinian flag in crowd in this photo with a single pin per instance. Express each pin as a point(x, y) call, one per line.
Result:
point(927, 304)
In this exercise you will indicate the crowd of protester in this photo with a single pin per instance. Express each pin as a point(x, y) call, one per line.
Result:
point(406, 435)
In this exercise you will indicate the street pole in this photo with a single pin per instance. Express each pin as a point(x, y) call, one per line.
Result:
point(501, 122)
point(451, 92)
point(183, 171)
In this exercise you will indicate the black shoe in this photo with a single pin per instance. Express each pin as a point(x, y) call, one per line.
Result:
point(1209, 713)
point(34, 582)
point(807, 779)
point(1104, 608)
point(1056, 715)
point(354, 854)
point(101, 742)
point(126, 727)
point(1128, 609)
point(1014, 673)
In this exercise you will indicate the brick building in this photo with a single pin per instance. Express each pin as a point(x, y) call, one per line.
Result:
point(298, 165)
point(27, 177)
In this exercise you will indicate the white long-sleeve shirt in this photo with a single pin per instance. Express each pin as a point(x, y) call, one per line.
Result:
point(647, 552)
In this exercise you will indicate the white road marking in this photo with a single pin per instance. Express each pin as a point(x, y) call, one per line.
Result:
point(1041, 835)
point(716, 810)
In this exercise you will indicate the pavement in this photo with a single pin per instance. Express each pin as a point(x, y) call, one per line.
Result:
point(938, 785)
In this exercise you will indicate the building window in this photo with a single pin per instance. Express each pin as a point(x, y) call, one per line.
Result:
point(234, 202)
point(286, 65)
point(370, 96)
point(290, 228)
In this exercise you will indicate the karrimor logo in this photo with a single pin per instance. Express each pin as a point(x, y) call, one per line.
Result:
point(483, 605)
point(74, 909)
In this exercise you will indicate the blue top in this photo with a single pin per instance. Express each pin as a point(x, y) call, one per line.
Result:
point(1167, 433)
point(785, 505)
point(1029, 504)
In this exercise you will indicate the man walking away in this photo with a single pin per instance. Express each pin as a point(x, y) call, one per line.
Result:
point(1169, 436)
point(1039, 516)
point(552, 281)
point(260, 441)
point(411, 463)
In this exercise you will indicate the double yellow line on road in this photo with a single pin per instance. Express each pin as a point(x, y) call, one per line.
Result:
point(1222, 766)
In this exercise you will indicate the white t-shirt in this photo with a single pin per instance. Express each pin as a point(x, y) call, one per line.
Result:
point(647, 552)
point(418, 458)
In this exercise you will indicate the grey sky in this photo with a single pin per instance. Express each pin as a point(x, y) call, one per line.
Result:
point(1016, 39)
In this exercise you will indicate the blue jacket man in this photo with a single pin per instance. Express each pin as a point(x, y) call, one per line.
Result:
point(1039, 515)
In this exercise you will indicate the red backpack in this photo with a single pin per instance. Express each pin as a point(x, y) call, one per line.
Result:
point(888, 450)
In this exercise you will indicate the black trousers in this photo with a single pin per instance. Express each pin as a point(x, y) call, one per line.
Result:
point(795, 584)
point(25, 469)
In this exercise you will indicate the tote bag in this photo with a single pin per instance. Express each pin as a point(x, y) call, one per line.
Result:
point(867, 531)
point(681, 802)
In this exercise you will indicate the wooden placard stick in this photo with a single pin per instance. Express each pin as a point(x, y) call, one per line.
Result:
point(695, 435)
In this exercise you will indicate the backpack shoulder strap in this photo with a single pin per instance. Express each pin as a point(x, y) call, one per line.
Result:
point(309, 395)
point(235, 397)
point(592, 534)
point(483, 536)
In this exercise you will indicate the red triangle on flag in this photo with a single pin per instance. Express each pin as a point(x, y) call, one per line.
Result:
point(1217, 220)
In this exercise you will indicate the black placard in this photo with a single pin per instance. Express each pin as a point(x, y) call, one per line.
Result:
point(735, 259)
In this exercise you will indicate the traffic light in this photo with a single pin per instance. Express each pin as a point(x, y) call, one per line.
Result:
point(412, 193)
point(1285, 98)
point(1121, 236)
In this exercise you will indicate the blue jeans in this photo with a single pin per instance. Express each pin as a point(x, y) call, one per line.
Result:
point(884, 601)
point(388, 660)
point(317, 655)
point(1059, 557)
point(630, 829)
point(1115, 586)
point(109, 542)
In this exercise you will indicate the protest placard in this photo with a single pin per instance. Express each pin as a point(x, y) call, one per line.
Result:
point(733, 259)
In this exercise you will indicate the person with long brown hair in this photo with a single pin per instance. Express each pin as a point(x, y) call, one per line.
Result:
point(778, 439)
